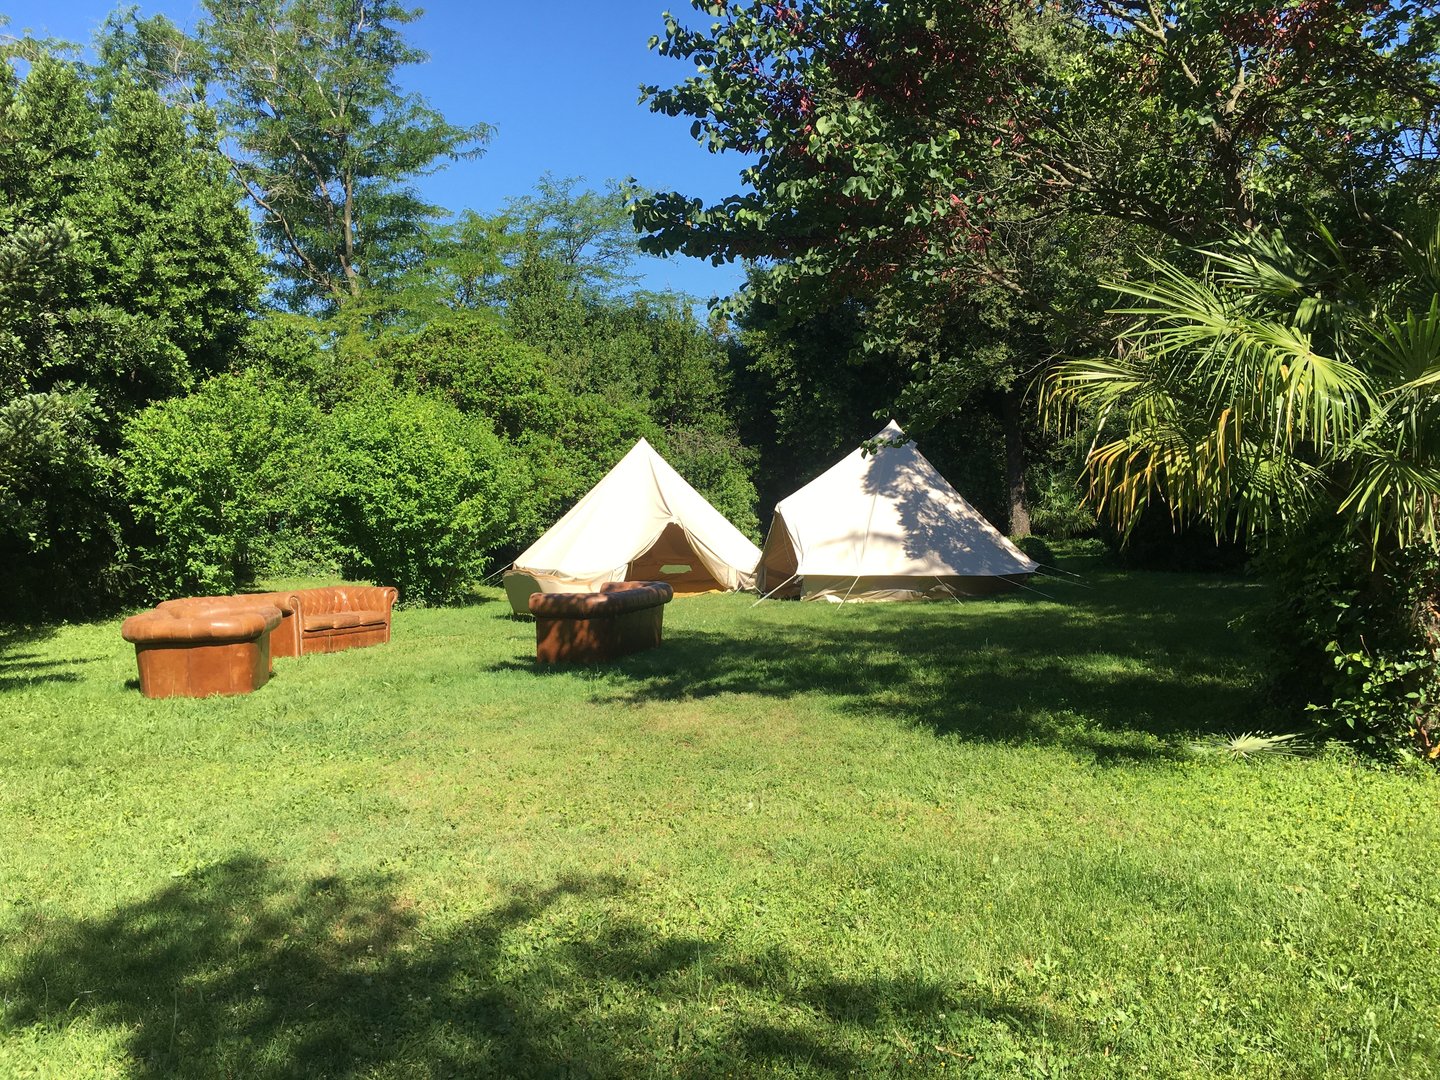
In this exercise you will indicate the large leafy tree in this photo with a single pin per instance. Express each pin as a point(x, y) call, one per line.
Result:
point(919, 142)
point(944, 165)
point(318, 131)
point(1192, 117)
point(127, 270)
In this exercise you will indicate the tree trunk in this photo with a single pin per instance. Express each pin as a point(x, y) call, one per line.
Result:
point(1010, 411)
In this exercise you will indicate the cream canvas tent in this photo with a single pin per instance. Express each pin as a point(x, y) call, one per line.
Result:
point(885, 526)
point(641, 522)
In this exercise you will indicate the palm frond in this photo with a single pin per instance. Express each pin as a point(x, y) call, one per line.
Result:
point(1395, 496)
point(1407, 349)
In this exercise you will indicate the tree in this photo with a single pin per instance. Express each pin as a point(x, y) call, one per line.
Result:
point(228, 482)
point(899, 143)
point(933, 162)
point(1287, 394)
point(127, 272)
point(1192, 117)
point(318, 131)
point(424, 493)
point(125, 263)
point(588, 233)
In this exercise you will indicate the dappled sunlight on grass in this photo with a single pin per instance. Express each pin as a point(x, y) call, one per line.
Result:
point(795, 840)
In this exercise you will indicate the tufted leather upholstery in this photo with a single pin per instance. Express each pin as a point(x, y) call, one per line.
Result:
point(614, 598)
point(199, 651)
point(624, 617)
point(344, 617)
point(284, 641)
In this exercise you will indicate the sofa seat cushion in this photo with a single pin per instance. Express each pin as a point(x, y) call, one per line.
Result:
point(343, 620)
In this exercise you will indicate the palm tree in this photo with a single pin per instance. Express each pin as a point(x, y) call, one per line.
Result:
point(1275, 389)
point(1280, 395)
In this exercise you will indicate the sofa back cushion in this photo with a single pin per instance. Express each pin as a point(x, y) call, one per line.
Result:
point(342, 598)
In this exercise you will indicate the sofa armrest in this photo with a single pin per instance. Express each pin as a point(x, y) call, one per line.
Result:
point(371, 597)
point(285, 639)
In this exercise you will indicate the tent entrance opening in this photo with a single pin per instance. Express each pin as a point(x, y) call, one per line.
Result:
point(671, 559)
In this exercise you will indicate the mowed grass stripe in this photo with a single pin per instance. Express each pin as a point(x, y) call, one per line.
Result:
point(962, 839)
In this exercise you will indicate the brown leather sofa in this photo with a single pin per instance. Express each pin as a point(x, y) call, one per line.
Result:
point(586, 628)
point(219, 650)
point(284, 640)
point(343, 617)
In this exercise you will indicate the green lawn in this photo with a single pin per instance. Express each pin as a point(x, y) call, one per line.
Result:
point(798, 840)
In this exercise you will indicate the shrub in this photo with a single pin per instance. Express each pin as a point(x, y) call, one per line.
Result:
point(227, 483)
point(60, 507)
point(1356, 641)
point(471, 362)
point(1057, 506)
point(423, 493)
point(1035, 548)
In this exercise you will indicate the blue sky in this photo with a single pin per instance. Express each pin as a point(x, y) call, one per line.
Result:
point(558, 80)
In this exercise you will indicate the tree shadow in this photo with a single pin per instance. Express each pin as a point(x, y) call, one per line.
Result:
point(1133, 668)
point(21, 669)
point(238, 970)
point(473, 598)
point(932, 527)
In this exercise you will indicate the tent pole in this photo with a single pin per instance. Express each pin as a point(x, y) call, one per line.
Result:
point(776, 589)
point(1079, 579)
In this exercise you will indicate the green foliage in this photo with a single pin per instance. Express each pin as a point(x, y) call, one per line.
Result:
point(520, 318)
point(126, 275)
point(860, 115)
point(1209, 115)
point(1355, 641)
point(1057, 507)
point(1287, 395)
point(322, 138)
point(585, 235)
point(470, 361)
point(1280, 384)
point(227, 483)
point(60, 542)
point(563, 441)
point(422, 495)
point(1036, 549)
point(125, 264)
point(719, 466)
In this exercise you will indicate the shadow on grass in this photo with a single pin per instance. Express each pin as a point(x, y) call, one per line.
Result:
point(1130, 670)
point(241, 971)
point(21, 668)
point(473, 599)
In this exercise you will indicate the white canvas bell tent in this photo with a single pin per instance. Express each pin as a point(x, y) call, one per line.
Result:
point(641, 522)
point(885, 526)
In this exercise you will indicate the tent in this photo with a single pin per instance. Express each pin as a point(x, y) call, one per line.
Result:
point(885, 526)
point(641, 522)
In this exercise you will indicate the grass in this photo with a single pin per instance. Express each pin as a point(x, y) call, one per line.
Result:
point(967, 839)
